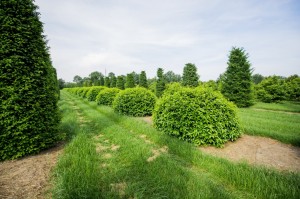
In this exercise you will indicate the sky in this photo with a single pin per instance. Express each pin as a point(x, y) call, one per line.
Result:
point(122, 36)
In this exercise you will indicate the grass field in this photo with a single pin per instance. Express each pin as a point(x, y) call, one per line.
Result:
point(113, 156)
point(278, 121)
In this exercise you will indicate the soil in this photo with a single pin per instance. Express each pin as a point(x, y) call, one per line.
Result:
point(28, 177)
point(256, 150)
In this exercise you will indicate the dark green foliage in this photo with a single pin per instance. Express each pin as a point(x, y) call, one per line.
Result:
point(293, 88)
point(95, 78)
point(107, 82)
point(237, 80)
point(257, 78)
point(143, 80)
point(271, 89)
point(170, 76)
point(29, 115)
point(61, 83)
point(198, 115)
point(78, 80)
point(107, 96)
point(190, 76)
point(134, 102)
point(120, 82)
point(129, 81)
point(160, 85)
point(93, 92)
point(113, 82)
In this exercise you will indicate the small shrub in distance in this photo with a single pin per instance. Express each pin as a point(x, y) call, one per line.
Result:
point(107, 96)
point(93, 92)
point(198, 115)
point(134, 102)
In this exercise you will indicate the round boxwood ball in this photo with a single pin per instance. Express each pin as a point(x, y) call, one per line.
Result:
point(198, 115)
point(107, 96)
point(134, 102)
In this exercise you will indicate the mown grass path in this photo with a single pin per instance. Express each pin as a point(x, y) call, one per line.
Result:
point(113, 156)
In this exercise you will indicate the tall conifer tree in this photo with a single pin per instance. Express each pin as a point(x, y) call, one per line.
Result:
point(143, 80)
point(29, 114)
point(190, 76)
point(237, 79)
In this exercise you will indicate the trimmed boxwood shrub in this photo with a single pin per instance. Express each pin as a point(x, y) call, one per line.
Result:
point(134, 102)
point(29, 115)
point(93, 92)
point(107, 96)
point(85, 91)
point(198, 115)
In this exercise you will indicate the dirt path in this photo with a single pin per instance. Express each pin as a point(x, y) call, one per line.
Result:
point(256, 150)
point(28, 177)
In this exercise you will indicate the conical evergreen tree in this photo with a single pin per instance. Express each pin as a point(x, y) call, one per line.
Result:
point(143, 80)
point(160, 85)
point(120, 82)
point(129, 81)
point(190, 76)
point(237, 79)
point(29, 114)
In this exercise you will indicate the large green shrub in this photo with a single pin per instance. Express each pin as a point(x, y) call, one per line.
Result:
point(107, 96)
point(198, 115)
point(93, 92)
point(135, 102)
point(29, 115)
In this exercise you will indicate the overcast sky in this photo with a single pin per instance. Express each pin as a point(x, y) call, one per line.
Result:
point(122, 36)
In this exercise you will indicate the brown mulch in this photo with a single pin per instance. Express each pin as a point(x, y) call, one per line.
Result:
point(28, 177)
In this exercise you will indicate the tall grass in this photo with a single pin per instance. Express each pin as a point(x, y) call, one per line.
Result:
point(87, 170)
point(282, 126)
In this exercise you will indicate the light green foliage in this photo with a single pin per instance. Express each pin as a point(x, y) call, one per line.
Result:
point(160, 84)
point(107, 96)
point(93, 92)
point(237, 80)
point(271, 89)
point(134, 102)
point(211, 84)
point(190, 76)
point(197, 115)
point(172, 88)
point(143, 80)
point(29, 115)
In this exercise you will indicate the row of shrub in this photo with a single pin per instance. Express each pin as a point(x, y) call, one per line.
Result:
point(198, 115)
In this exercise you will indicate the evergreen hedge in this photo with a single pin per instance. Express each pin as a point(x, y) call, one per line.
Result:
point(93, 92)
point(29, 115)
point(198, 115)
point(107, 96)
point(134, 102)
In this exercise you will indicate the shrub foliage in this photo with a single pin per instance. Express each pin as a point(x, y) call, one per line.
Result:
point(29, 114)
point(93, 92)
point(134, 102)
point(198, 115)
point(107, 96)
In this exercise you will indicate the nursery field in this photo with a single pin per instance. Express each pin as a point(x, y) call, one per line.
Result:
point(113, 156)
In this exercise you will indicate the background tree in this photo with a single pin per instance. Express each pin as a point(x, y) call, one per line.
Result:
point(170, 76)
point(143, 80)
point(113, 80)
point(78, 80)
point(29, 115)
point(129, 81)
point(160, 85)
point(95, 78)
point(61, 83)
point(136, 78)
point(257, 78)
point(121, 82)
point(237, 82)
point(190, 76)
point(87, 81)
point(107, 82)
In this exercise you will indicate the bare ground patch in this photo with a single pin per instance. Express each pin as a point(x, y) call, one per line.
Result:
point(28, 177)
point(157, 152)
point(259, 151)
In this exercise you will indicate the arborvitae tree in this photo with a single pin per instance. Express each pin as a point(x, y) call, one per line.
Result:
point(113, 80)
point(120, 82)
point(107, 82)
point(29, 115)
point(160, 85)
point(129, 81)
point(143, 80)
point(136, 78)
point(101, 80)
point(237, 82)
point(190, 76)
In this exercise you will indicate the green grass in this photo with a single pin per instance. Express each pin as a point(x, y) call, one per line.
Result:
point(282, 106)
point(181, 172)
point(279, 125)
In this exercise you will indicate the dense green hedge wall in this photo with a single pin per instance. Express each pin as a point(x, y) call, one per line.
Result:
point(107, 96)
point(134, 102)
point(198, 115)
point(93, 92)
point(29, 115)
